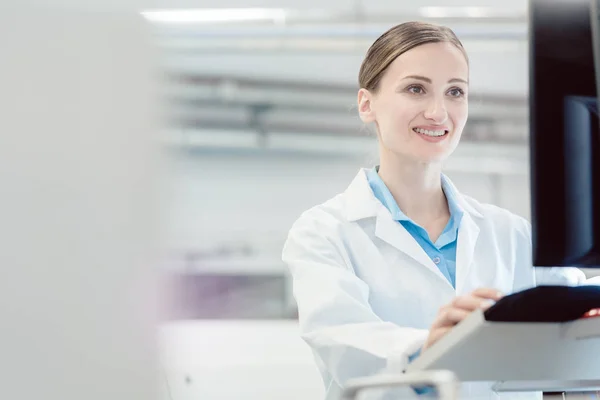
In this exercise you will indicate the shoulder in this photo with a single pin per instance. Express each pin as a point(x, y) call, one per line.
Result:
point(324, 219)
point(500, 219)
point(317, 238)
point(510, 234)
point(331, 222)
point(505, 237)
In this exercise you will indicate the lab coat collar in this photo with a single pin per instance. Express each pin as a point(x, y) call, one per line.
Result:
point(460, 200)
point(362, 203)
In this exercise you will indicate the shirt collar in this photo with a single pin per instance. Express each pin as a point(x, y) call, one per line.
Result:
point(383, 194)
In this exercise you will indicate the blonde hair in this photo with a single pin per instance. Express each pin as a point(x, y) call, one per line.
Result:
point(397, 40)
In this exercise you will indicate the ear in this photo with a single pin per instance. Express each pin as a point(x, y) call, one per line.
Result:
point(365, 109)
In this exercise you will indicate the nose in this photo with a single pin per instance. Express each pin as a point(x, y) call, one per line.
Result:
point(436, 111)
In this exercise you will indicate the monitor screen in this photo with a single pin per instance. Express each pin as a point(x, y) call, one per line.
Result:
point(564, 132)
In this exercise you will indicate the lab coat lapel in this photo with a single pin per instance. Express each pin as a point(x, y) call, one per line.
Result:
point(467, 238)
point(468, 232)
point(390, 231)
point(363, 204)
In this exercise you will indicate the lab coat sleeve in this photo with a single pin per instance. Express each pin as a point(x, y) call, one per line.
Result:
point(348, 339)
point(567, 276)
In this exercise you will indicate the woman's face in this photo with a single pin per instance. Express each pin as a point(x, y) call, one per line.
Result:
point(420, 107)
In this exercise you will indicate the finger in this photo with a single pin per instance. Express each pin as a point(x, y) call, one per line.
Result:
point(488, 293)
point(435, 335)
point(471, 303)
point(449, 317)
point(439, 333)
point(455, 315)
point(468, 302)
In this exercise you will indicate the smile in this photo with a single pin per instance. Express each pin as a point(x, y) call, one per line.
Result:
point(426, 132)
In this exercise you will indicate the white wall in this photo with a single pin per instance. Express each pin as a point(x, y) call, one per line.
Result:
point(256, 196)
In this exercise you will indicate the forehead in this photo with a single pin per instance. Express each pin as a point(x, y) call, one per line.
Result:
point(437, 61)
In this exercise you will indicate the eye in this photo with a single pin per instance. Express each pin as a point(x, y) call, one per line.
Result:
point(415, 89)
point(456, 92)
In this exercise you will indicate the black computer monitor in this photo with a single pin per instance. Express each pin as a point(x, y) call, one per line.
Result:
point(564, 132)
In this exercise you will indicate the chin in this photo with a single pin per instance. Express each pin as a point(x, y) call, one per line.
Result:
point(431, 156)
point(421, 157)
point(425, 153)
point(435, 154)
point(433, 159)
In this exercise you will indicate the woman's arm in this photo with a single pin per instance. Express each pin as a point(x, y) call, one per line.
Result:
point(336, 320)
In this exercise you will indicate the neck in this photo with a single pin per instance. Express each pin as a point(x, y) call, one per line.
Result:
point(416, 187)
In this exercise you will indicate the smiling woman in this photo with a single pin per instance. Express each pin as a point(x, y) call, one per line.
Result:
point(415, 84)
point(385, 269)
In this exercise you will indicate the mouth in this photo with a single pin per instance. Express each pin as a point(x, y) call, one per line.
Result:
point(431, 133)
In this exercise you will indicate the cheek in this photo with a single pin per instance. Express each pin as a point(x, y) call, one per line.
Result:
point(395, 115)
point(460, 114)
point(403, 113)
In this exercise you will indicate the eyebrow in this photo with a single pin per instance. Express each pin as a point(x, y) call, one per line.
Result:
point(425, 79)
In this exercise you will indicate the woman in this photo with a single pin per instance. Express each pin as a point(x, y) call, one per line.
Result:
point(385, 269)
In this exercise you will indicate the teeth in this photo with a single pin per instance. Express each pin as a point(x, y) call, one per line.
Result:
point(430, 133)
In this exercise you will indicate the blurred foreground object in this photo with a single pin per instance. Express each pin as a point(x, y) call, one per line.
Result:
point(78, 179)
point(445, 383)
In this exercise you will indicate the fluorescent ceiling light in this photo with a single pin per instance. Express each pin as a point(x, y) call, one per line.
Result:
point(464, 12)
point(208, 15)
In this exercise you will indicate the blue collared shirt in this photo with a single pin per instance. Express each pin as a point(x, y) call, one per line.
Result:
point(443, 251)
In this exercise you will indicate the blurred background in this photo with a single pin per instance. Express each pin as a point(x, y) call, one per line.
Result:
point(262, 125)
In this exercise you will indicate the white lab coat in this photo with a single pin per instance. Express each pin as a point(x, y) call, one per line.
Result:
point(367, 292)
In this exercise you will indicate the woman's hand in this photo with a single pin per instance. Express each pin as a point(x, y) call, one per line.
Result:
point(451, 314)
